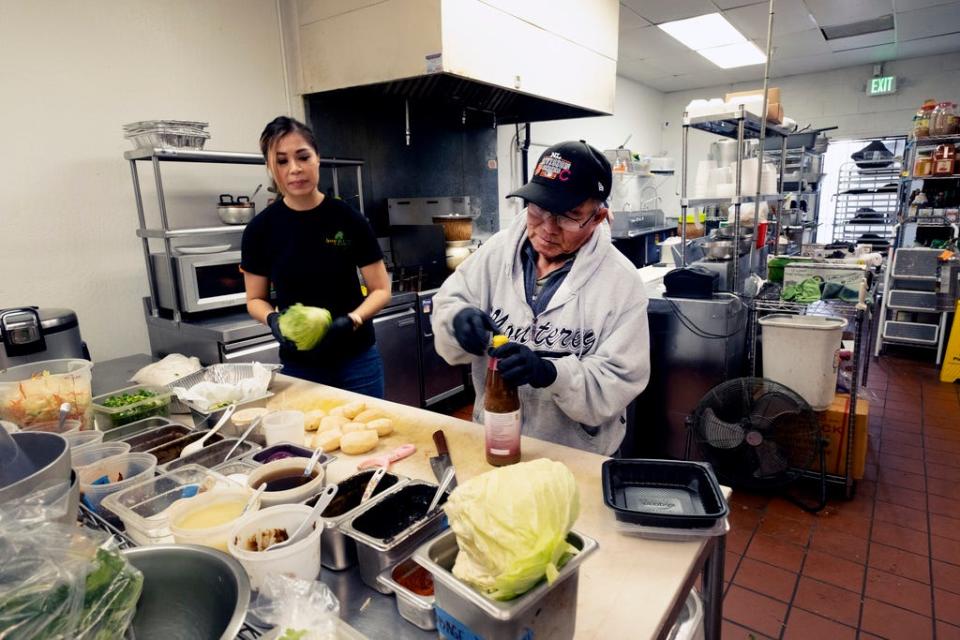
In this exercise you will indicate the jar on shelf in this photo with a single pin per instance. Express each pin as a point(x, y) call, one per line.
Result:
point(921, 122)
point(944, 160)
point(923, 166)
point(940, 119)
point(953, 125)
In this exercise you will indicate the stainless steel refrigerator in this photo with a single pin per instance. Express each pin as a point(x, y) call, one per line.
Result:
point(438, 380)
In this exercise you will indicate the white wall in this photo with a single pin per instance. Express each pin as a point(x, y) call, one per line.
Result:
point(73, 73)
point(637, 111)
point(828, 98)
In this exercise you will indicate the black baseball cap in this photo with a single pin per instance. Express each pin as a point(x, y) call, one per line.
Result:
point(567, 174)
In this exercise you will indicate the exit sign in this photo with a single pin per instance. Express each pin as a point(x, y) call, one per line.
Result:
point(882, 86)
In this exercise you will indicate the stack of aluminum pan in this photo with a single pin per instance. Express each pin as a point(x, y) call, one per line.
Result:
point(177, 134)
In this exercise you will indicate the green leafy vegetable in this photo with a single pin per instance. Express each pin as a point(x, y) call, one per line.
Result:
point(293, 634)
point(305, 326)
point(511, 526)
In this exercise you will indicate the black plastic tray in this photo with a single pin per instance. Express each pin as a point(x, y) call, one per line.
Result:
point(676, 494)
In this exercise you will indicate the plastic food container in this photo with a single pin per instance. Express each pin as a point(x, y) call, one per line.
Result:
point(415, 608)
point(144, 508)
point(108, 417)
point(69, 426)
point(546, 611)
point(146, 440)
point(339, 551)
point(207, 520)
point(213, 454)
point(286, 468)
point(122, 471)
point(283, 426)
point(283, 450)
point(663, 493)
point(374, 528)
point(300, 560)
point(237, 470)
point(128, 430)
point(79, 440)
point(32, 393)
point(89, 455)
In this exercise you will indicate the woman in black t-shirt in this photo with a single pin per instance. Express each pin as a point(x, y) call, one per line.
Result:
point(308, 247)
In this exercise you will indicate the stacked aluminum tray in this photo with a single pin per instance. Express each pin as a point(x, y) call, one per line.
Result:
point(178, 134)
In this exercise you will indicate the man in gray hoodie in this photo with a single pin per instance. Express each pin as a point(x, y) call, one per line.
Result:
point(573, 306)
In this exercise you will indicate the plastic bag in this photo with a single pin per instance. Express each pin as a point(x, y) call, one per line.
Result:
point(170, 369)
point(207, 395)
point(60, 581)
point(300, 610)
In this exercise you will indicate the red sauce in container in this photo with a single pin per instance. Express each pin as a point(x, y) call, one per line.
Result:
point(413, 577)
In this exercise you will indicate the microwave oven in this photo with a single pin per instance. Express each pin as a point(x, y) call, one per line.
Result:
point(203, 281)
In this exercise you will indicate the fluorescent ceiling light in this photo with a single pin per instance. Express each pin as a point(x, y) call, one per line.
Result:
point(731, 56)
point(703, 32)
point(713, 37)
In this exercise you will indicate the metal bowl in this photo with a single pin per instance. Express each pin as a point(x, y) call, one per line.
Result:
point(49, 454)
point(188, 592)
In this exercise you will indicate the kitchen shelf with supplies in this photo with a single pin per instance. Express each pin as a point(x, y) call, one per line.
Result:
point(859, 316)
point(866, 203)
point(740, 125)
point(174, 302)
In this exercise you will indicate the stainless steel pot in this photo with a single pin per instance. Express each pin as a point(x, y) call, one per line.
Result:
point(235, 211)
point(49, 454)
point(188, 592)
point(721, 247)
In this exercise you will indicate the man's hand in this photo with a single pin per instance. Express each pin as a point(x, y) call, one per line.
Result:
point(519, 365)
point(471, 328)
point(273, 321)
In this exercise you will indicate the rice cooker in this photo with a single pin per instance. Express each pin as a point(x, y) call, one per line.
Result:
point(31, 334)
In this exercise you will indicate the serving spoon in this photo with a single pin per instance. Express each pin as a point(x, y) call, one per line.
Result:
point(448, 477)
point(303, 530)
point(193, 447)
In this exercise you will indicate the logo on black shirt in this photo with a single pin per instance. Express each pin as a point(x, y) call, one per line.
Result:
point(338, 240)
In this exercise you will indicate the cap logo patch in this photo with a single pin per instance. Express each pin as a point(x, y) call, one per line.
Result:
point(600, 187)
point(554, 167)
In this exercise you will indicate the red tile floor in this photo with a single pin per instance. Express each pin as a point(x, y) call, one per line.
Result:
point(885, 564)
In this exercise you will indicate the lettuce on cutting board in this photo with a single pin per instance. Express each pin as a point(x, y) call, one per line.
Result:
point(511, 526)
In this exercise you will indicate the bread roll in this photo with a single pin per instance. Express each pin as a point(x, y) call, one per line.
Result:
point(311, 420)
point(328, 440)
point(368, 415)
point(357, 442)
point(332, 422)
point(383, 426)
point(353, 409)
point(350, 427)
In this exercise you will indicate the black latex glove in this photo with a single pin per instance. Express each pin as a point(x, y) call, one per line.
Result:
point(273, 321)
point(471, 328)
point(519, 365)
point(340, 328)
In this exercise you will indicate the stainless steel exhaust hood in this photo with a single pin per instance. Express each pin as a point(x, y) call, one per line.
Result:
point(513, 62)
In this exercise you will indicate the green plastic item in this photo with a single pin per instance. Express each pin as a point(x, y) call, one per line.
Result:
point(806, 291)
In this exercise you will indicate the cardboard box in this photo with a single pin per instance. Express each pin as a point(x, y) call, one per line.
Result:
point(754, 102)
point(833, 423)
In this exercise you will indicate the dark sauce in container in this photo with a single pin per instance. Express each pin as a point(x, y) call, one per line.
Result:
point(350, 491)
point(397, 512)
point(171, 451)
point(286, 479)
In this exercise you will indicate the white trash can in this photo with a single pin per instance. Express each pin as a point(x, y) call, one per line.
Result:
point(802, 353)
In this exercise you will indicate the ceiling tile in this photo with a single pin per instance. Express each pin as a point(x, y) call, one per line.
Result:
point(925, 23)
point(910, 5)
point(730, 4)
point(860, 42)
point(801, 43)
point(867, 55)
point(630, 20)
point(928, 46)
point(803, 64)
point(657, 11)
point(829, 13)
point(640, 70)
point(648, 42)
point(789, 16)
point(683, 63)
point(688, 81)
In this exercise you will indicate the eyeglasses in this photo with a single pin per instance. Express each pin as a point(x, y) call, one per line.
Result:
point(564, 221)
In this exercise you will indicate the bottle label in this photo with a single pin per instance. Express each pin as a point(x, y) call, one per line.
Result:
point(502, 432)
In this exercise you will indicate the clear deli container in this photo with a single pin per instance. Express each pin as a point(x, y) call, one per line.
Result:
point(32, 393)
point(122, 471)
point(340, 551)
point(221, 511)
point(375, 550)
point(79, 440)
point(128, 430)
point(144, 507)
point(413, 607)
point(170, 451)
point(157, 405)
point(213, 455)
point(299, 560)
point(94, 453)
point(546, 611)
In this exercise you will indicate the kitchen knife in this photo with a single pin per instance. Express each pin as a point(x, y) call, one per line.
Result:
point(441, 462)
